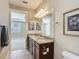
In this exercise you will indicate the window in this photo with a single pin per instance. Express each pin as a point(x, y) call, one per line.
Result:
point(17, 21)
point(16, 26)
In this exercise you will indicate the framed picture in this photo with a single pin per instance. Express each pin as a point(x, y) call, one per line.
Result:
point(31, 26)
point(38, 26)
point(71, 22)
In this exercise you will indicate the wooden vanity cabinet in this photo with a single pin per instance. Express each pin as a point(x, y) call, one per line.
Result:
point(44, 48)
point(41, 51)
point(31, 46)
point(34, 50)
point(37, 51)
point(27, 41)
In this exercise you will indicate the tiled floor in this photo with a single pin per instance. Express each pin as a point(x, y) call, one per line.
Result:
point(21, 54)
point(18, 43)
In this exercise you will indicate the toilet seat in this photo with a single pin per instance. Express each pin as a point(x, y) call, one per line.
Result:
point(68, 55)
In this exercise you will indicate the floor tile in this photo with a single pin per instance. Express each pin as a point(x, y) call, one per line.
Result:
point(21, 54)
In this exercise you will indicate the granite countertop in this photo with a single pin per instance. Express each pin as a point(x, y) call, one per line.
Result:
point(41, 39)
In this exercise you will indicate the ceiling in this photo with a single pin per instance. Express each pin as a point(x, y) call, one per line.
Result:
point(32, 4)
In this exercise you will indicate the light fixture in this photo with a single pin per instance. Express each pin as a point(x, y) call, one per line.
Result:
point(41, 13)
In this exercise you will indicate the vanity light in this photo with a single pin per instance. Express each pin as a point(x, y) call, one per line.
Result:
point(41, 13)
point(45, 13)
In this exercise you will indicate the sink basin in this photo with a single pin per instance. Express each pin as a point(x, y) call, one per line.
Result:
point(39, 37)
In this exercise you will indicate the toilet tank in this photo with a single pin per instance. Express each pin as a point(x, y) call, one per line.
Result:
point(65, 58)
point(68, 55)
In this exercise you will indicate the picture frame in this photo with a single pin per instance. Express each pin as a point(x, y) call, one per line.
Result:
point(71, 22)
point(38, 26)
point(31, 26)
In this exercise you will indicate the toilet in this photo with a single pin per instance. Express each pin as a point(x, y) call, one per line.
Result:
point(68, 55)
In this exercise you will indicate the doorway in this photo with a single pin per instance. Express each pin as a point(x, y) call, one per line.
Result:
point(18, 26)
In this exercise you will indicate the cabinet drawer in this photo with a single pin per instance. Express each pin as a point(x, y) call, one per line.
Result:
point(47, 51)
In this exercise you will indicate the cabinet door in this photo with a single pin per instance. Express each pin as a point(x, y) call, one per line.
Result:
point(28, 42)
point(37, 53)
point(31, 46)
point(34, 51)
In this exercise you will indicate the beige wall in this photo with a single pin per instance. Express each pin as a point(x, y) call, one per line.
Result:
point(62, 42)
point(47, 5)
point(30, 12)
point(4, 20)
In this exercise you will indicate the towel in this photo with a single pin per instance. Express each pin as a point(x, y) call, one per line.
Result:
point(4, 36)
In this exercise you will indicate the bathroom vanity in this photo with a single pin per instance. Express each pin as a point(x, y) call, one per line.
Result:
point(40, 47)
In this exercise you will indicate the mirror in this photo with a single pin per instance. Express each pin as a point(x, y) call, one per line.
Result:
point(48, 26)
